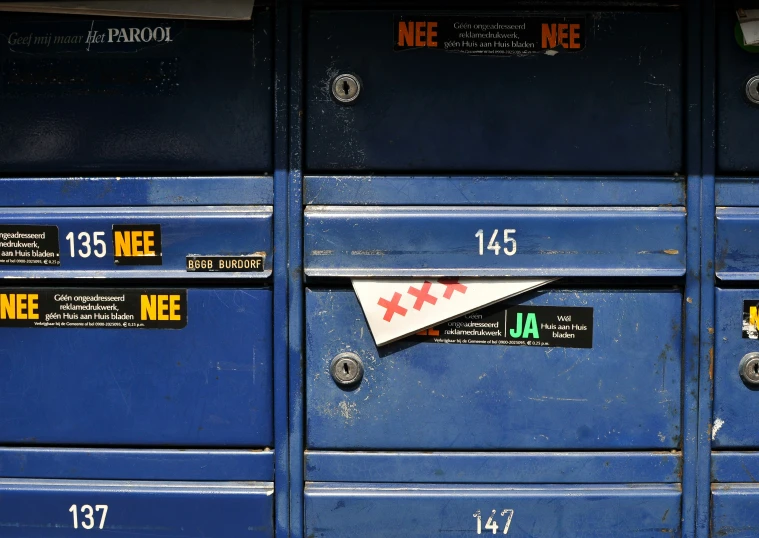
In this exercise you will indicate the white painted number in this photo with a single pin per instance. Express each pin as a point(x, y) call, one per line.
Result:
point(509, 243)
point(491, 524)
point(84, 241)
point(88, 521)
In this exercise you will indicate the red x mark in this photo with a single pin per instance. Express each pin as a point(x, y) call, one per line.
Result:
point(451, 285)
point(393, 306)
point(422, 296)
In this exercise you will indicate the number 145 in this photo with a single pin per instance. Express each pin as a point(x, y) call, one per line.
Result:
point(509, 243)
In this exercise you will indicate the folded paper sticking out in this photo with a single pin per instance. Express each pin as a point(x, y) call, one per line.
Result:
point(153, 9)
point(749, 21)
point(397, 308)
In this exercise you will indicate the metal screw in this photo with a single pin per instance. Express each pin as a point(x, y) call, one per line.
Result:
point(749, 368)
point(347, 369)
point(752, 89)
point(345, 88)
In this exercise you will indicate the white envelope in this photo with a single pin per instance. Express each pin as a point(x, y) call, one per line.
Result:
point(397, 308)
point(153, 9)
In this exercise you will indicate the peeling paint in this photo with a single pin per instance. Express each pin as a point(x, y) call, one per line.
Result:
point(718, 423)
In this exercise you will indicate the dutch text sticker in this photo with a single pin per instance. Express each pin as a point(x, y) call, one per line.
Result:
point(23, 244)
point(85, 308)
point(494, 36)
point(499, 325)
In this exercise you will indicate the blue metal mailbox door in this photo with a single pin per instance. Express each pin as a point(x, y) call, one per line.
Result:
point(62, 509)
point(623, 393)
point(737, 115)
point(120, 95)
point(114, 242)
point(734, 513)
point(541, 241)
point(206, 384)
point(614, 106)
point(735, 423)
point(737, 251)
point(417, 510)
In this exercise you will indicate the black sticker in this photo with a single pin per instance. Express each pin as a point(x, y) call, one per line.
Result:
point(253, 263)
point(497, 36)
point(137, 244)
point(78, 308)
point(22, 244)
point(750, 328)
point(539, 326)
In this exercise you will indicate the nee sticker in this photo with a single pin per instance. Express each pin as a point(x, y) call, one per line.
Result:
point(86, 308)
point(137, 244)
point(494, 36)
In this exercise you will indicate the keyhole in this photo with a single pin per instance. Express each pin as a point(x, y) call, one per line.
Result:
point(347, 368)
point(756, 369)
point(346, 87)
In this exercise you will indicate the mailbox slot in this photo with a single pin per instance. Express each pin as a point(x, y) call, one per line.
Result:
point(418, 510)
point(65, 509)
point(207, 384)
point(623, 393)
point(613, 103)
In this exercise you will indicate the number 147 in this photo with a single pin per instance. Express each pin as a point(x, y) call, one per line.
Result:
point(491, 524)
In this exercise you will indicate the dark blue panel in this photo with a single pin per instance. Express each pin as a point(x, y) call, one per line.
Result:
point(348, 510)
point(735, 415)
point(616, 106)
point(736, 117)
point(203, 231)
point(734, 512)
point(132, 464)
point(494, 467)
point(624, 393)
point(735, 466)
point(563, 190)
point(737, 250)
point(136, 191)
point(437, 241)
point(202, 103)
point(40, 509)
point(208, 384)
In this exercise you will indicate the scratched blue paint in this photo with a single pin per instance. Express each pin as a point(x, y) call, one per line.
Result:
point(615, 106)
point(735, 423)
point(737, 250)
point(737, 191)
point(441, 241)
point(40, 508)
point(494, 190)
point(735, 466)
point(136, 191)
point(379, 510)
point(202, 231)
point(493, 467)
point(734, 513)
point(208, 384)
point(622, 394)
point(143, 464)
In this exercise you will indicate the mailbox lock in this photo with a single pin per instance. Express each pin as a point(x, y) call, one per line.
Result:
point(749, 368)
point(345, 88)
point(752, 89)
point(347, 369)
